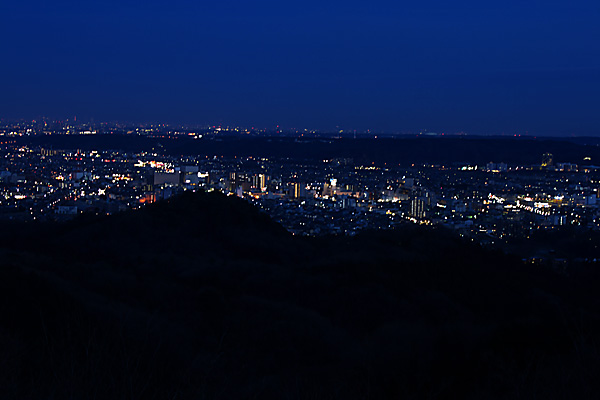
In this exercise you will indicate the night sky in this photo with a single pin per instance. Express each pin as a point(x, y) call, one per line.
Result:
point(444, 66)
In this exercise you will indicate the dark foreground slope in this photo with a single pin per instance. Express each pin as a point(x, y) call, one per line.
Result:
point(204, 297)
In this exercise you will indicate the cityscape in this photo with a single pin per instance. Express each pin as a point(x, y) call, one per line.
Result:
point(316, 200)
point(495, 204)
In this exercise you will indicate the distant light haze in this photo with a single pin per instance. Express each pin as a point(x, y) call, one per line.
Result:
point(511, 67)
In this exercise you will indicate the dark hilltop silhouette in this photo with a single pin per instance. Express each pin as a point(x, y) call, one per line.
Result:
point(203, 297)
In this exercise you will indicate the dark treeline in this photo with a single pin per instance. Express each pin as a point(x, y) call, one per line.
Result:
point(202, 297)
point(435, 150)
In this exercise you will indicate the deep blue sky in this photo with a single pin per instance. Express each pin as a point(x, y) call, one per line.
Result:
point(445, 66)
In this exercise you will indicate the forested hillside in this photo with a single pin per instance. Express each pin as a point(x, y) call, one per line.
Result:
point(202, 296)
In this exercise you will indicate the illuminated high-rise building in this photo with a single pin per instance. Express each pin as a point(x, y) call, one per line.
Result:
point(259, 181)
point(237, 179)
point(298, 190)
point(418, 207)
